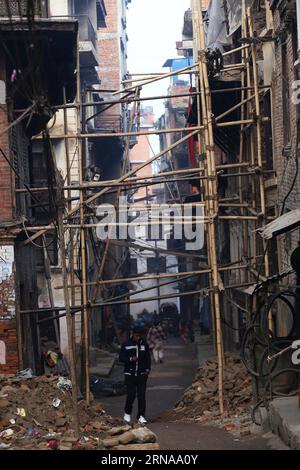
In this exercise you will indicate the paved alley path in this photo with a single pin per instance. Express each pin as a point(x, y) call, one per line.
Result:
point(166, 385)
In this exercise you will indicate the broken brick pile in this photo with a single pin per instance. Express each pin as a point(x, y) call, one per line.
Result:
point(202, 398)
point(36, 414)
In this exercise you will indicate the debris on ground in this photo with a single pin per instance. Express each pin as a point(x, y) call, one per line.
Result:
point(200, 402)
point(36, 413)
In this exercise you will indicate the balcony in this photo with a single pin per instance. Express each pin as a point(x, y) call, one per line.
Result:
point(18, 9)
point(87, 40)
point(87, 47)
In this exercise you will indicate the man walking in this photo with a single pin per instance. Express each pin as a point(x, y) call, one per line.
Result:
point(135, 355)
point(155, 338)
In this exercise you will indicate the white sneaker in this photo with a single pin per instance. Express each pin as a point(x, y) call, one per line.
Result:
point(127, 418)
point(142, 420)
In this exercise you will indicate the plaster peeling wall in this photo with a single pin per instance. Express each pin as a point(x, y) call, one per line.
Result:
point(7, 282)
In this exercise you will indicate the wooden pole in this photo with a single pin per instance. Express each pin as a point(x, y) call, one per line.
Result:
point(69, 320)
point(212, 194)
point(125, 161)
point(132, 172)
point(115, 135)
point(83, 241)
point(155, 79)
point(161, 276)
point(49, 287)
point(259, 137)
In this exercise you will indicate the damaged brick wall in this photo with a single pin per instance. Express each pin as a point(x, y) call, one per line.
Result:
point(285, 126)
point(8, 331)
point(8, 347)
point(6, 190)
point(112, 53)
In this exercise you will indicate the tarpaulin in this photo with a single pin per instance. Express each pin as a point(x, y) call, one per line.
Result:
point(234, 8)
point(216, 24)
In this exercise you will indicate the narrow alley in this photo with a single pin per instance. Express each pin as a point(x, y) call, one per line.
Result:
point(166, 385)
point(149, 226)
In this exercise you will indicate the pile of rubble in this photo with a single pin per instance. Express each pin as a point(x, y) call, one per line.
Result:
point(36, 413)
point(201, 400)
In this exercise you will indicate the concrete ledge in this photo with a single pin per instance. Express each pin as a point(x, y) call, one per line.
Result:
point(284, 420)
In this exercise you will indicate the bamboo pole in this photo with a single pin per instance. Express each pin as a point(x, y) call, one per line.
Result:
point(241, 154)
point(237, 106)
point(83, 242)
point(150, 77)
point(160, 276)
point(155, 79)
point(142, 98)
point(259, 137)
point(115, 135)
point(129, 180)
point(132, 172)
point(49, 287)
point(69, 190)
point(69, 321)
point(125, 161)
point(212, 188)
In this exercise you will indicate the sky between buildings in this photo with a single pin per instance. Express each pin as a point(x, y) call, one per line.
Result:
point(154, 26)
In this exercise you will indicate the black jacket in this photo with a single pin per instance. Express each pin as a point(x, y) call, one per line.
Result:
point(141, 350)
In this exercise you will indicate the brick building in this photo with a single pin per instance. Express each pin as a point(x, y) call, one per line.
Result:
point(24, 282)
point(18, 260)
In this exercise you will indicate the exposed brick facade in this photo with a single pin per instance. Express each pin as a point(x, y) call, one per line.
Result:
point(6, 198)
point(285, 128)
point(112, 46)
point(8, 334)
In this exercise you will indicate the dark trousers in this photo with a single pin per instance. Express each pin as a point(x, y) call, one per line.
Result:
point(136, 385)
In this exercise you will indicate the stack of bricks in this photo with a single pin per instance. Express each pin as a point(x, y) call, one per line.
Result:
point(8, 335)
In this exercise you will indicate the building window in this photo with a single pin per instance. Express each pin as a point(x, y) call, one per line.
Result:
point(101, 14)
point(156, 265)
point(133, 266)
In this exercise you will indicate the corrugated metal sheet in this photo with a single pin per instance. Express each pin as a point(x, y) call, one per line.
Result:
point(282, 224)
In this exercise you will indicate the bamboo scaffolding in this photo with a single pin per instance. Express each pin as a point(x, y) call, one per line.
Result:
point(208, 174)
point(111, 135)
point(125, 161)
point(259, 136)
point(112, 183)
point(159, 276)
point(155, 79)
point(83, 243)
point(69, 322)
point(69, 191)
point(212, 191)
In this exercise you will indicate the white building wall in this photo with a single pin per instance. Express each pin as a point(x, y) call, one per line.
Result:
point(59, 7)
